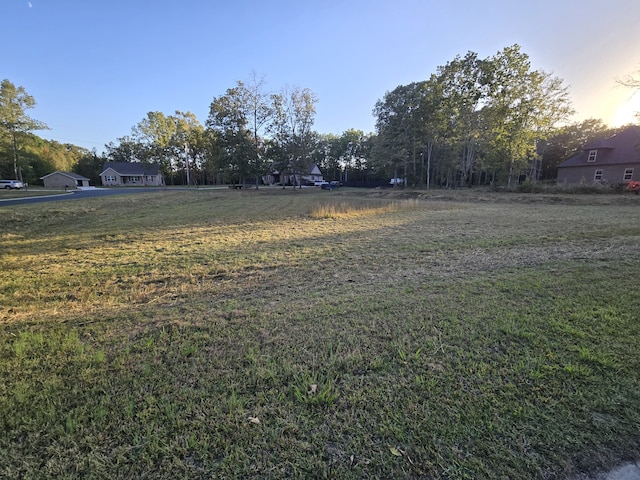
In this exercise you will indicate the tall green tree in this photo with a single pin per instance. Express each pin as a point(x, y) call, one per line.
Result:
point(176, 142)
point(233, 140)
point(410, 119)
point(398, 127)
point(294, 112)
point(188, 140)
point(434, 126)
point(326, 154)
point(523, 106)
point(239, 120)
point(126, 149)
point(463, 87)
point(351, 153)
point(259, 113)
point(14, 122)
point(484, 118)
point(155, 134)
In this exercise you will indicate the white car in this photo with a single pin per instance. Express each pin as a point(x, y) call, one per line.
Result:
point(11, 184)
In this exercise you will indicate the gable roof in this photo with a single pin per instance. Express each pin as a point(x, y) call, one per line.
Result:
point(72, 175)
point(620, 148)
point(315, 170)
point(132, 168)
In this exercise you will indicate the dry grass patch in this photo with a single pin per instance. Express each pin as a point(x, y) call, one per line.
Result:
point(353, 207)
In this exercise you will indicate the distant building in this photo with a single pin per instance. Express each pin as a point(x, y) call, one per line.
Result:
point(131, 174)
point(613, 160)
point(311, 177)
point(64, 180)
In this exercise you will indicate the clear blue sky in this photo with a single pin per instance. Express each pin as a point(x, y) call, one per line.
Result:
point(96, 67)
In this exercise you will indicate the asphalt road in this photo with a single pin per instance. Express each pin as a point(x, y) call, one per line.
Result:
point(76, 195)
point(629, 471)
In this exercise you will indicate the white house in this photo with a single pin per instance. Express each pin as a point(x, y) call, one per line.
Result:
point(313, 175)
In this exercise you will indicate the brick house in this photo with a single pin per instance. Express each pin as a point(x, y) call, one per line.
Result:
point(131, 174)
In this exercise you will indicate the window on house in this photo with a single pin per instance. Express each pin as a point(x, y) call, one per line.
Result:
point(628, 174)
point(598, 176)
point(592, 155)
point(110, 178)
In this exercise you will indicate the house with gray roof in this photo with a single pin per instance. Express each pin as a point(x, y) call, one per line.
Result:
point(119, 174)
point(614, 160)
point(66, 180)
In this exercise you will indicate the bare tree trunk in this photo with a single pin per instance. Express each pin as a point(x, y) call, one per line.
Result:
point(15, 155)
point(415, 171)
point(510, 174)
point(429, 151)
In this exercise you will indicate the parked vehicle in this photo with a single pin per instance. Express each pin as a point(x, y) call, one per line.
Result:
point(327, 186)
point(11, 184)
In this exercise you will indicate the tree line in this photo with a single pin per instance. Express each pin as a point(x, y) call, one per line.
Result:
point(249, 136)
point(475, 121)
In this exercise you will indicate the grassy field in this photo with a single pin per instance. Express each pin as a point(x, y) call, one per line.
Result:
point(30, 192)
point(312, 334)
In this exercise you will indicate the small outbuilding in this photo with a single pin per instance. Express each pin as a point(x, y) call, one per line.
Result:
point(65, 180)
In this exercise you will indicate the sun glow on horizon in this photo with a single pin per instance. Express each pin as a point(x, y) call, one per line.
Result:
point(615, 104)
point(627, 110)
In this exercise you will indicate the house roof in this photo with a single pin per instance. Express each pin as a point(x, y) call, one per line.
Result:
point(315, 170)
point(621, 148)
point(132, 168)
point(606, 143)
point(72, 175)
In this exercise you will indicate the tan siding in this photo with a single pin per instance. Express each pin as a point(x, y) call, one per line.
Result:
point(58, 180)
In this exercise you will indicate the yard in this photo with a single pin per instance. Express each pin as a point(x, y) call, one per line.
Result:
point(312, 334)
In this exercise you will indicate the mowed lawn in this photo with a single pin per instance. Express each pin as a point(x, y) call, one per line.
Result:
point(313, 334)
